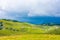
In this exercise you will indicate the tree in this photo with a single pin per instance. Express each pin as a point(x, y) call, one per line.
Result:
point(1, 25)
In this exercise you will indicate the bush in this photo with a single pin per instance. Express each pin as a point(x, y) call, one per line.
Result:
point(1, 25)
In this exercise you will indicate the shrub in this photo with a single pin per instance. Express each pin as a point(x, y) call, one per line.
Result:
point(1, 25)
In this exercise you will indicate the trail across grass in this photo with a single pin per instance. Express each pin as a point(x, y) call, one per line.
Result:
point(31, 37)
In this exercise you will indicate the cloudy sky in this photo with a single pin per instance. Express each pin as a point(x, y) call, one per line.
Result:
point(12, 9)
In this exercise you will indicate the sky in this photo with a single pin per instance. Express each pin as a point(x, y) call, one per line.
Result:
point(25, 9)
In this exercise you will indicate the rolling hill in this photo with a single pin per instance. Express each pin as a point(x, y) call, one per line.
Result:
point(13, 27)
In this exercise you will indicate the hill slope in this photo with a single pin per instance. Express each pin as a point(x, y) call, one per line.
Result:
point(13, 27)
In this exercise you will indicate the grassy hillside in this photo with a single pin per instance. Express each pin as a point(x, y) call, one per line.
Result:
point(13, 27)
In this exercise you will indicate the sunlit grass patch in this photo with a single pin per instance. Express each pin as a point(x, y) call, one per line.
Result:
point(31, 37)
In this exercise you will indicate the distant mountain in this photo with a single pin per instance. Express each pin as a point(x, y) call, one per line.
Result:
point(40, 20)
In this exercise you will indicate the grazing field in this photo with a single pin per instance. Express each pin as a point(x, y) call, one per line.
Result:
point(31, 37)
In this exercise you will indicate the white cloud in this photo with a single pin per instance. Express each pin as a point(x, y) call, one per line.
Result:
point(33, 8)
point(46, 8)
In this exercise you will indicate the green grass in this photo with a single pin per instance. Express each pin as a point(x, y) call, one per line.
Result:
point(12, 27)
point(31, 37)
point(14, 30)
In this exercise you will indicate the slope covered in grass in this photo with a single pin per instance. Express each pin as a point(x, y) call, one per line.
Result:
point(13, 27)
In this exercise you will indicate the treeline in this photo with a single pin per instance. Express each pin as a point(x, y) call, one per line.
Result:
point(10, 20)
point(50, 24)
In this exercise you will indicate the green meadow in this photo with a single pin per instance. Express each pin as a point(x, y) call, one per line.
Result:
point(31, 37)
point(15, 30)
